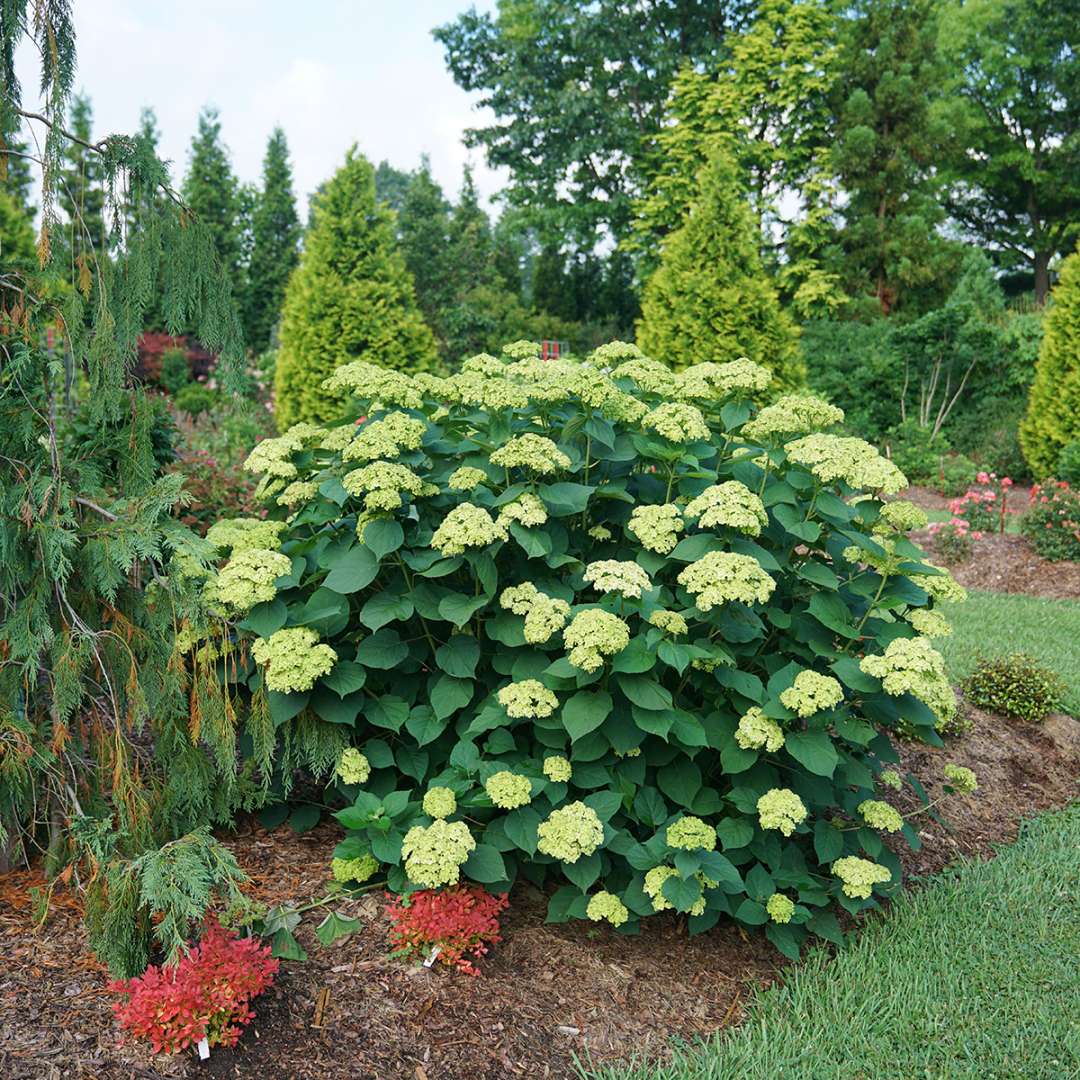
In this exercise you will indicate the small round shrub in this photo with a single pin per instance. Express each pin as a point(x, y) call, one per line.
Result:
point(195, 399)
point(1069, 463)
point(953, 540)
point(1052, 522)
point(652, 639)
point(175, 370)
point(917, 452)
point(1016, 686)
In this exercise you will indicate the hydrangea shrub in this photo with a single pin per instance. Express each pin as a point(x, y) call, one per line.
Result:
point(603, 626)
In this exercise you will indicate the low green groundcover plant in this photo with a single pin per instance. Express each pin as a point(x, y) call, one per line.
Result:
point(593, 624)
point(1016, 686)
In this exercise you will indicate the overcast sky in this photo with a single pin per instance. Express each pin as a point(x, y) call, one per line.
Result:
point(330, 72)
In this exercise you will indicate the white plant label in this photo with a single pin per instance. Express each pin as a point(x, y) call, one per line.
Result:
point(433, 956)
point(204, 1049)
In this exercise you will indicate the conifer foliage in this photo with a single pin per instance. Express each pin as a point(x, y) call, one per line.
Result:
point(709, 299)
point(1053, 415)
point(351, 298)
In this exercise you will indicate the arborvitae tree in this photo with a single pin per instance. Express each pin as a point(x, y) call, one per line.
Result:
point(472, 250)
point(96, 572)
point(513, 251)
point(82, 195)
point(709, 299)
point(391, 184)
point(16, 175)
point(1053, 413)
point(351, 298)
point(275, 232)
point(424, 228)
point(210, 189)
point(550, 287)
point(891, 134)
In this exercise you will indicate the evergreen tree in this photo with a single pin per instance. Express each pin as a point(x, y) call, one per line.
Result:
point(1053, 412)
point(350, 298)
point(391, 184)
point(82, 195)
point(275, 232)
point(890, 135)
point(424, 228)
point(472, 248)
point(211, 190)
point(550, 285)
point(16, 175)
point(709, 299)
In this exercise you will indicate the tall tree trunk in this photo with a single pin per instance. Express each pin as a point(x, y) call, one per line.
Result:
point(1042, 277)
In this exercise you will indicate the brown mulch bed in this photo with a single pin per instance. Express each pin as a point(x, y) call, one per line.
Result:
point(546, 994)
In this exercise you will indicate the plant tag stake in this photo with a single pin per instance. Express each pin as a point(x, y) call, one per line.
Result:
point(204, 1049)
point(433, 956)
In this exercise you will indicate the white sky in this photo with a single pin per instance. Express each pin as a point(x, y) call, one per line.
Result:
point(330, 72)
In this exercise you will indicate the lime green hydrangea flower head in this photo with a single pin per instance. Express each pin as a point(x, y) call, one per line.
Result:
point(485, 364)
point(245, 534)
point(382, 484)
point(294, 659)
point(719, 577)
point(626, 578)
point(528, 699)
point(353, 767)
point(654, 885)
point(520, 598)
point(855, 461)
point(509, 790)
point(536, 453)
point(466, 526)
point(248, 579)
point(811, 693)
point(358, 870)
point(592, 635)
point(526, 510)
point(605, 905)
point(859, 876)
point(678, 422)
point(521, 350)
point(652, 376)
point(887, 562)
point(570, 832)
point(544, 615)
point(386, 437)
point(298, 493)
point(913, 665)
point(891, 778)
point(271, 457)
point(483, 391)
point(558, 769)
point(600, 532)
point(961, 778)
point(467, 478)
point(880, 815)
point(779, 908)
point(729, 504)
point(614, 352)
point(900, 516)
point(709, 381)
point(338, 438)
point(439, 802)
point(671, 622)
point(930, 624)
point(370, 382)
point(434, 854)
point(782, 809)
point(756, 731)
point(942, 586)
point(691, 834)
point(793, 414)
point(657, 527)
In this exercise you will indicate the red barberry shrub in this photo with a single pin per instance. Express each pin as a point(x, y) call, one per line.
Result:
point(463, 921)
point(206, 994)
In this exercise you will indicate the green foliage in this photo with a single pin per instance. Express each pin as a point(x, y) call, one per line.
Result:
point(82, 194)
point(212, 192)
point(1068, 467)
point(420, 624)
point(1052, 524)
point(275, 240)
point(935, 989)
point(350, 298)
point(709, 298)
point(1015, 184)
point(195, 399)
point(1053, 412)
point(175, 370)
point(156, 902)
point(888, 139)
point(1017, 686)
point(919, 454)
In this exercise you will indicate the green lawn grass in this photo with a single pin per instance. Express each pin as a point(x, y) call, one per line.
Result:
point(975, 976)
point(998, 623)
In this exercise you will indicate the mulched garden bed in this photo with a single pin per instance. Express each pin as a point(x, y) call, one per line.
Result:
point(547, 993)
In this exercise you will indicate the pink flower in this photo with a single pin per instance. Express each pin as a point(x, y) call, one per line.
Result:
point(982, 478)
point(977, 535)
point(1006, 482)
